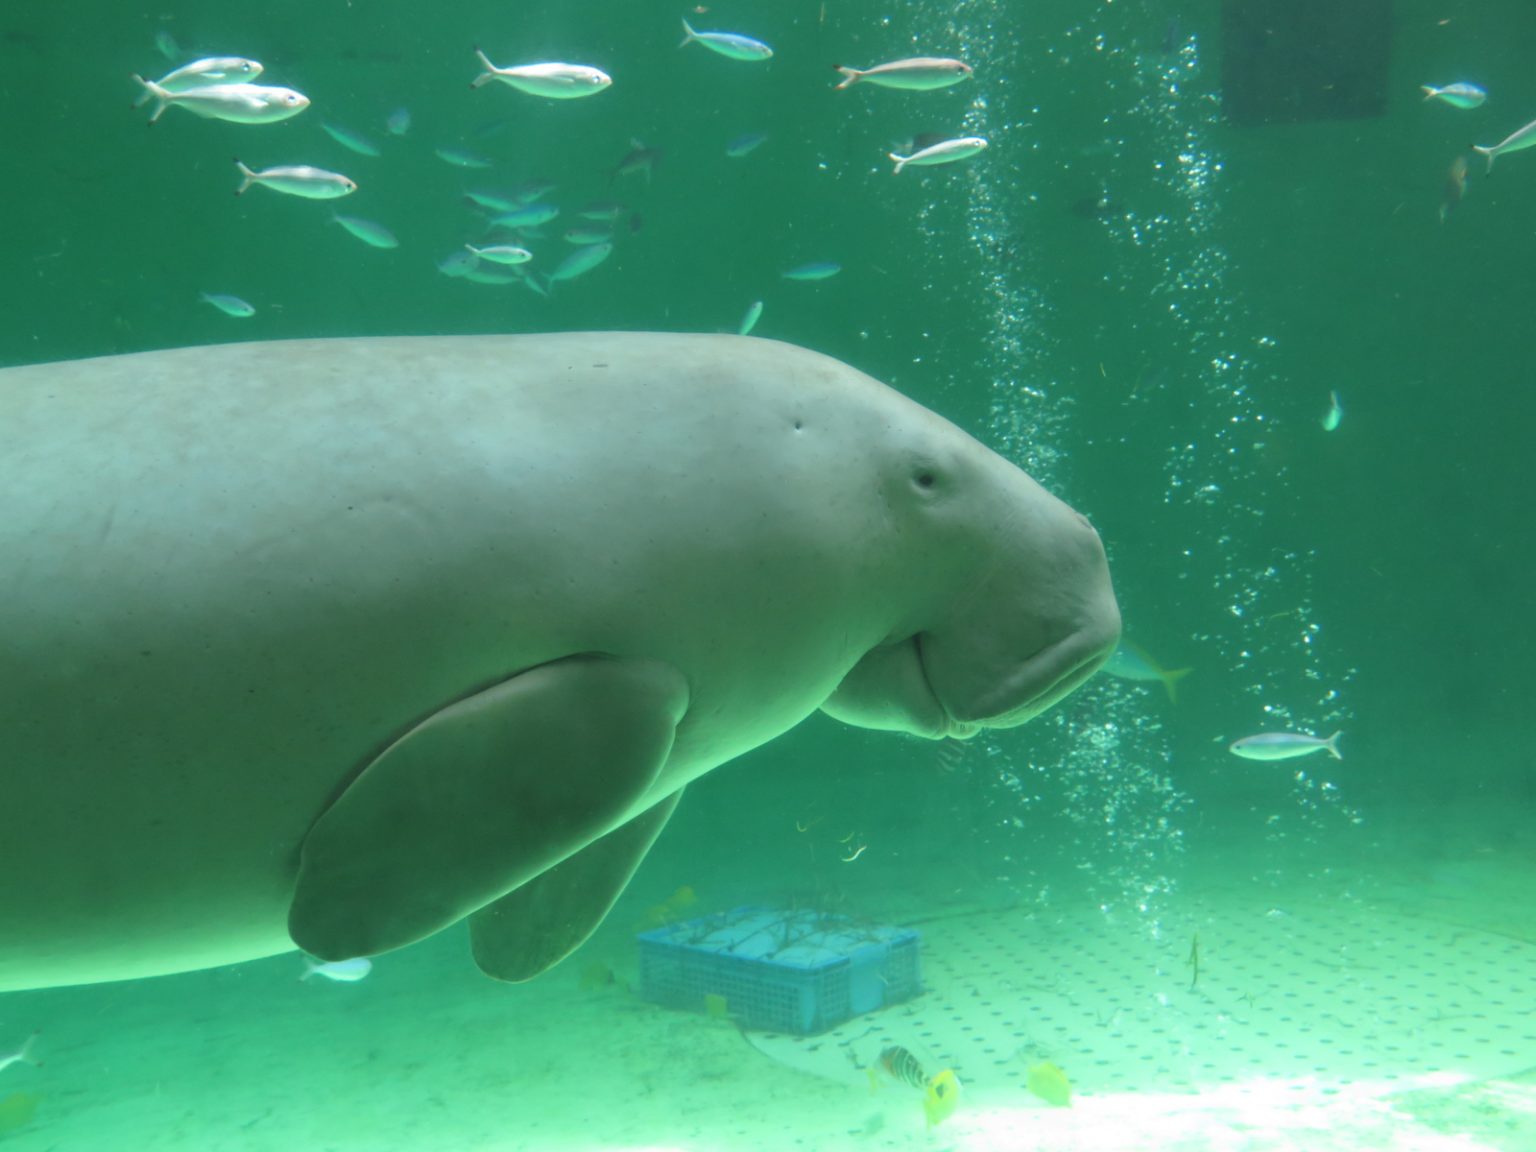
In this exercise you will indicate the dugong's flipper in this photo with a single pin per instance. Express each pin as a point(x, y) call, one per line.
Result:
point(481, 798)
point(532, 929)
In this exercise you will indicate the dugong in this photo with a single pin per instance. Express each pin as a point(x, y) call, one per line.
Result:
point(332, 643)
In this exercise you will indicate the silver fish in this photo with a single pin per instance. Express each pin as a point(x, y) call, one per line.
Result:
point(553, 81)
point(944, 152)
point(297, 180)
point(343, 971)
point(1284, 746)
point(1524, 138)
point(210, 70)
point(918, 74)
point(236, 103)
point(501, 253)
point(727, 44)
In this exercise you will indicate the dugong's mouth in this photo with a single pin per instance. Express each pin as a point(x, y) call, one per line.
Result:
point(1030, 688)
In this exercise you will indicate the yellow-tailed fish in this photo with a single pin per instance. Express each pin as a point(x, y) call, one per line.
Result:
point(1130, 662)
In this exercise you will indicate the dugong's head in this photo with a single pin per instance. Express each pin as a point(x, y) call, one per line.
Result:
point(1010, 608)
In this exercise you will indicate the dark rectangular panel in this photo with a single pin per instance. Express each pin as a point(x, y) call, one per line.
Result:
point(1285, 61)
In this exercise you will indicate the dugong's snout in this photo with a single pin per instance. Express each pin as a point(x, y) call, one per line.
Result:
point(1039, 628)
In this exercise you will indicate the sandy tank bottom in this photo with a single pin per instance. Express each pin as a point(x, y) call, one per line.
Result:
point(1394, 1014)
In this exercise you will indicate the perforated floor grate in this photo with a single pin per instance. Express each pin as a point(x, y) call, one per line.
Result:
point(1311, 1000)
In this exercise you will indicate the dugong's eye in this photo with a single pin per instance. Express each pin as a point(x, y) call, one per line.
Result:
point(924, 478)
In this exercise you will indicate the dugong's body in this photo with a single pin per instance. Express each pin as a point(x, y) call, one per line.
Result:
point(333, 643)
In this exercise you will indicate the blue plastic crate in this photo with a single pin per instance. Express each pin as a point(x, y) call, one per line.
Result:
point(795, 972)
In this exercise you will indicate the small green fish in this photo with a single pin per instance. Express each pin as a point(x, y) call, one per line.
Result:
point(819, 270)
point(727, 44)
point(462, 158)
point(374, 235)
point(581, 261)
point(744, 144)
point(352, 140)
point(492, 201)
point(749, 321)
point(1335, 413)
point(528, 216)
point(607, 210)
point(593, 233)
point(297, 180)
point(1456, 95)
point(639, 158)
point(229, 305)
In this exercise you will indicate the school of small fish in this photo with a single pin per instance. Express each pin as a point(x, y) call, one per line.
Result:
point(514, 250)
point(225, 88)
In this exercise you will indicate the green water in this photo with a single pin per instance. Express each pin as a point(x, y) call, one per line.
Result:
point(1143, 304)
